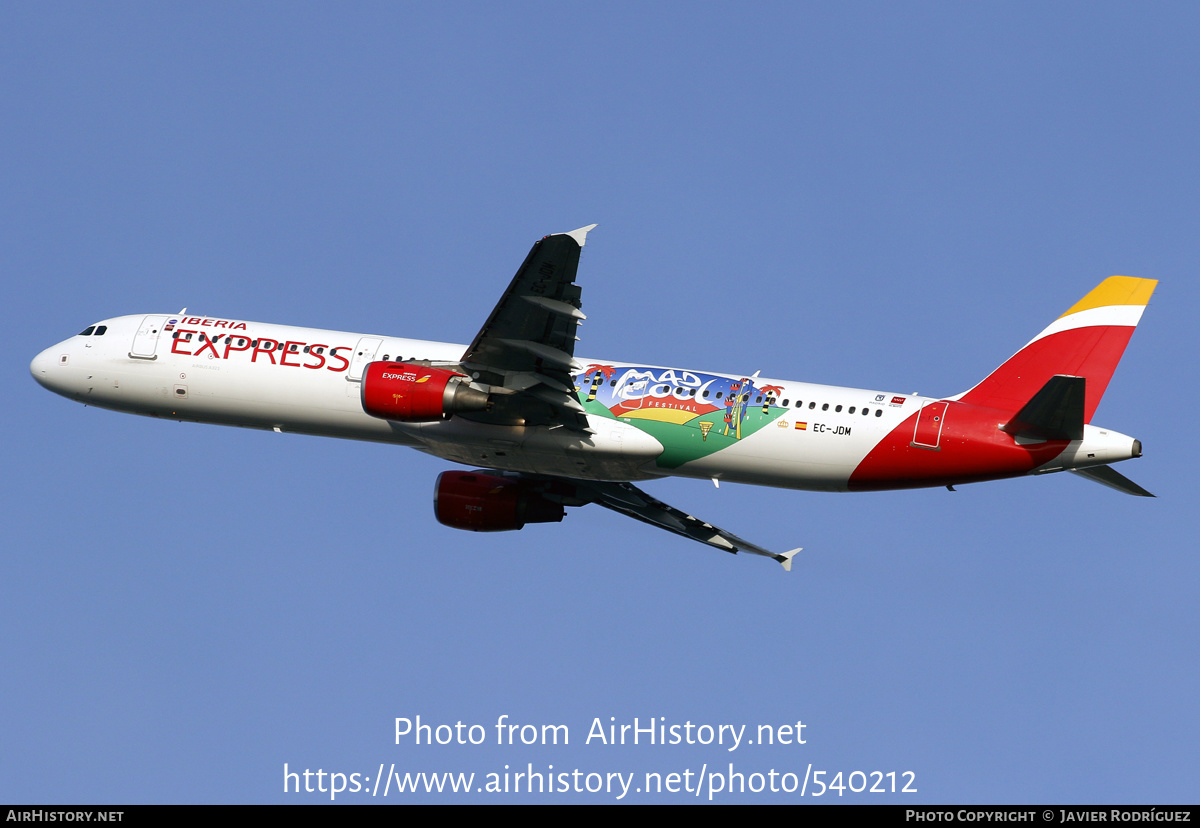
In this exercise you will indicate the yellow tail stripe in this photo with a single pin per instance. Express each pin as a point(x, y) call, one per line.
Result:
point(1116, 290)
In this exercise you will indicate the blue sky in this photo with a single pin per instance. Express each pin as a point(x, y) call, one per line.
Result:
point(878, 195)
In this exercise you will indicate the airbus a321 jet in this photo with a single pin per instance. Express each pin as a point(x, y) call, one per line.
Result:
point(545, 430)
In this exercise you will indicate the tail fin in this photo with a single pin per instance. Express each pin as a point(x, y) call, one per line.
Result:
point(1086, 341)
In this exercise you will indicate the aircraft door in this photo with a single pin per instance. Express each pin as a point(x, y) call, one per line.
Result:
point(640, 387)
point(930, 421)
point(364, 354)
point(145, 341)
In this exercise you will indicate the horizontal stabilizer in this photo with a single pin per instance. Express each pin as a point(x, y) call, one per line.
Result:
point(1108, 476)
point(1053, 413)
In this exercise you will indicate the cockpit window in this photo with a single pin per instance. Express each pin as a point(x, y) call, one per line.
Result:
point(101, 329)
point(88, 331)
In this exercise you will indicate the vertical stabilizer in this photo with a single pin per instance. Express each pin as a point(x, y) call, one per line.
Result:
point(1087, 341)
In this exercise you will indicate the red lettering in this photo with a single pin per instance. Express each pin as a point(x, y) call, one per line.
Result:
point(260, 348)
point(231, 345)
point(313, 352)
point(179, 338)
point(287, 349)
point(209, 343)
point(335, 355)
point(213, 323)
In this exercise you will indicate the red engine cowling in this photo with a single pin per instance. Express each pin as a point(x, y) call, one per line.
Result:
point(417, 394)
point(489, 503)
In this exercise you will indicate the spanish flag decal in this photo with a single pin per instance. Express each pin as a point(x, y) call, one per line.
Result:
point(801, 426)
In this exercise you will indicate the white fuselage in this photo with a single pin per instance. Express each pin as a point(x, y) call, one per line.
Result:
point(307, 381)
point(294, 389)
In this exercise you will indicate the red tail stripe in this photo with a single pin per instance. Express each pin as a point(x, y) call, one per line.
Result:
point(1091, 352)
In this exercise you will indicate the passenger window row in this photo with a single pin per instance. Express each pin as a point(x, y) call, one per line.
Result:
point(758, 399)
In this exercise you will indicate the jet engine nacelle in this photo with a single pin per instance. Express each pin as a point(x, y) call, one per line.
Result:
point(417, 394)
point(489, 503)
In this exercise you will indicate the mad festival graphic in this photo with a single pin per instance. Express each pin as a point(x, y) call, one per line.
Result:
point(693, 415)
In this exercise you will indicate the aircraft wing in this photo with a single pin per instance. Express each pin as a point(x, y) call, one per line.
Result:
point(527, 345)
point(629, 500)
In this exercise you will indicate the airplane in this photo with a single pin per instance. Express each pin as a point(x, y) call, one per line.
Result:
point(545, 431)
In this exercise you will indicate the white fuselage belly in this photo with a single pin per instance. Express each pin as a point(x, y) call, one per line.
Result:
point(298, 390)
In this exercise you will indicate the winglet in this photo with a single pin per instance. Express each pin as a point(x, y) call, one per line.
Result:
point(580, 235)
point(786, 558)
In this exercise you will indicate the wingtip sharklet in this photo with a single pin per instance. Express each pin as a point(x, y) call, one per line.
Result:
point(786, 558)
point(580, 235)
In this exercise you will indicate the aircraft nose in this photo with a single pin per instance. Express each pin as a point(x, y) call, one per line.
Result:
point(44, 365)
point(40, 366)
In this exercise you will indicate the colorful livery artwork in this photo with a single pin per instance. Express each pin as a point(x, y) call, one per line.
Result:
point(692, 414)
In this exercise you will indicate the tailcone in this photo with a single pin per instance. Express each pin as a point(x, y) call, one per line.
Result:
point(1099, 447)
